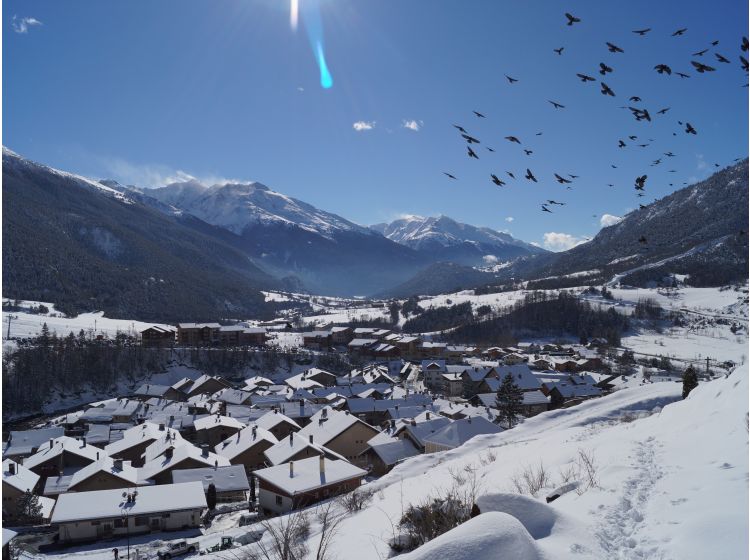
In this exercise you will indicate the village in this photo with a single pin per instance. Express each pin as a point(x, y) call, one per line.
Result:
point(169, 457)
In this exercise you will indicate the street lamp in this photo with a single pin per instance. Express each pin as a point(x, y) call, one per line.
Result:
point(125, 512)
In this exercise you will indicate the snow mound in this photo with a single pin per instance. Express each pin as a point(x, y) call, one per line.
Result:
point(538, 518)
point(486, 537)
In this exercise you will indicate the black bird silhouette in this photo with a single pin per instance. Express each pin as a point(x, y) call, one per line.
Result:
point(641, 194)
point(643, 145)
point(663, 111)
point(572, 19)
point(689, 129)
point(700, 53)
point(606, 90)
point(642, 206)
point(449, 175)
point(528, 152)
point(545, 209)
point(480, 115)
point(490, 149)
point(632, 137)
point(682, 75)
point(640, 182)
point(556, 105)
point(471, 153)
point(743, 61)
point(555, 202)
point(663, 69)
point(559, 51)
point(513, 139)
point(679, 32)
point(609, 185)
point(460, 128)
point(642, 240)
point(573, 176)
point(642, 32)
point(585, 78)
point(613, 166)
point(538, 134)
point(716, 165)
point(714, 43)
point(603, 69)
point(510, 175)
point(614, 48)
point(669, 154)
point(635, 99)
point(497, 181)
point(744, 44)
point(656, 161)
point(701, 68)
point(640, 114)
point(621, 144)
point(510, 80)
point(470, 139)
point(561, 180)
point(530, 175)
point(721, 58)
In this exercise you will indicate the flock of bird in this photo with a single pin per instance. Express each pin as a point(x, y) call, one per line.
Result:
point(640, 113)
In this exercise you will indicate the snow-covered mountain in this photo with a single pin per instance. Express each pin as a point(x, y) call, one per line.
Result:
point(436, 232)
point(236, 206)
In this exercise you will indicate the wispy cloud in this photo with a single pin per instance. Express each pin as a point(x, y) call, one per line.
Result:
point(412, 125)
point(609, 220)
point(361, 126)
point(560, 241)
point(150, 175)
point(21, 25)
point(509, 219)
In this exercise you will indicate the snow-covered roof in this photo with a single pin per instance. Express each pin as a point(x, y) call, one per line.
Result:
point(169, 438)
point(272, 419)
point(148, 431)
point(115, 407)
point(293, 444)
point(151, 390)
point(522, 376)
point(243, 440)
point(8, 535)
point(420, 430)
point(64, 443)
point(215, 421)
point(326, 424)
point(25, 442)
point(103, 504)
point(179, 454)
point(460, 431)
point(393, 450)
point(126, 472)
point(198, 325)
point(307, 474)
point(362, 342)
point(97, 433)
point(225, 479)
point(22, 480)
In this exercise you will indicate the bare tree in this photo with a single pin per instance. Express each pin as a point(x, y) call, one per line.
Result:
point(284, 538)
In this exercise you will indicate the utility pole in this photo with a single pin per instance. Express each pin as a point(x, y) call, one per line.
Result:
point(707, 361)
point(10, 318)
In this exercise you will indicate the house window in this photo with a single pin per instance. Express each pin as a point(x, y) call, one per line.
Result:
point(140, 521)
point(278, 500)
point(119, 523)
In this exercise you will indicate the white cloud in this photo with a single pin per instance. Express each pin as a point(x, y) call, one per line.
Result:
point(489, 259)
point(150, 175)
point(701, 162)
point(300, 88)
point(360, 126)
point(21, 25)
point(412, 125)
point(560, 241)
point(609, 220)
point(509, 219)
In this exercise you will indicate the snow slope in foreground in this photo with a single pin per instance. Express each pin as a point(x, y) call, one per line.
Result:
point(673, 478)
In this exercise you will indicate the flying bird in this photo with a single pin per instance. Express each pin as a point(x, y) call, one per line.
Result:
point(721, 58)
point(614, 48)
point(513, 139)
point(643, 145)
point(561, 180)
point(663, 69)
point(460, 128)
point(528, 152)
point(621, 144)
point(530, 175)
point(538, 134)
point(744, 45)
point(682, 75)
point(714, 43)
point(545, 209)
point(449, 175)
point(471, 153)
point(603, 69)
point(700, 53)
point(585, 78)
point(555, 202)
point(510, 80)
point(642, 32)
point(497, 181)
point(669, 154)
point(689, 129)
point(679, 32)
point(606, 90)
point(640, 182)
point(662, 111)
point(701, 68)
point(490, 149)
point(633, 137)
point(573, 176)
point(559, 51)
point(470, 139)
point(613, 166)
point(480, 115)
point(642, 206)
point(572, 19)
point(656, 162)
point(744, 63)
point(556, 105)
point(510, 175)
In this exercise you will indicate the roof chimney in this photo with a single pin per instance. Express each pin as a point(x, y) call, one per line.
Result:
point(83, 442)
point(161, 427)
point(427, 415)
point(204, 450)
point(255, 432)
point(12, 468)
point(322, 464)
point(291, 437)
point(169, 452)
point(311, 439)
point(291, 469)
point(117, 464)
point(51, 443)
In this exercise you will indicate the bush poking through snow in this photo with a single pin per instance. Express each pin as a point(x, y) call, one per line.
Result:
point(285, 538)
point(531, 479)
point(357, 500)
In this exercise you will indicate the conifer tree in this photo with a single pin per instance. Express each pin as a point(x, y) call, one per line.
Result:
point(29, 508)
point(211, 496)
point(509, 400)
point(689, 381)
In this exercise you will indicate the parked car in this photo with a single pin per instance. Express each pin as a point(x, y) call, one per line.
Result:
point(177, 548)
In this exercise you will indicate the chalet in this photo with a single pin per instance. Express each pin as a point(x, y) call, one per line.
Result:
point(237, 335)
point(280, 425)
point(369, 332)
point(320, 376)
point(376, 411)
point(62, 455)
point(416, 431)
point(473, 377)
point(385, 452)
point(27, 442)
point(514, 358)
point(247, 447)
point(341, 432)
point(341, 336)
point(207, 385)
point(185, 456)
point(17, 479)
point(215, 428)
point(294, 448)
point(384, 350)
point(521, 374)
point(136, 440)
point(316, 340)
point(564, 364)
point(459, 432)
point(494, 353)
point(361, 346)
point(534, 402)
point(427, 349)
point(564, 394)
point(114, 410)
point(148, 391)
point(89, 516)
point(459, 351)
point(158, 337)
point(407, 344)
point(452, 384)
point(233, 396)
point(103, 474)
point(301, 483)
point(230, 482)
point(257, 382)
point(198, 334)
point(98, 434)
point(432, 371)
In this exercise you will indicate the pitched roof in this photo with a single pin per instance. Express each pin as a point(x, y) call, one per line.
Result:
point(272, 419)
point(225, 479)
point(24, 442)
point(216, 420)
point(22, 480)
point(179, 454)
point(243, 440)
point(59, 445)
point(460, 431)
point(148, 431)
point(127, 473)
point(307, 475)
point(293, 444)
point(421, 430)
point(393, 450)
point(328, 424)
point(102, 504)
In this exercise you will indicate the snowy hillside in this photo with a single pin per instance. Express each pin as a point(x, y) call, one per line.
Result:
point(235, 206)
point(422, 233)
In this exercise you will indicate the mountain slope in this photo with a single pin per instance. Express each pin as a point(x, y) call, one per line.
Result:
point(89, 247)
point(448, 240)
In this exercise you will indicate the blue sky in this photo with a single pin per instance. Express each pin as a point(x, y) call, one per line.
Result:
point(145, 91)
